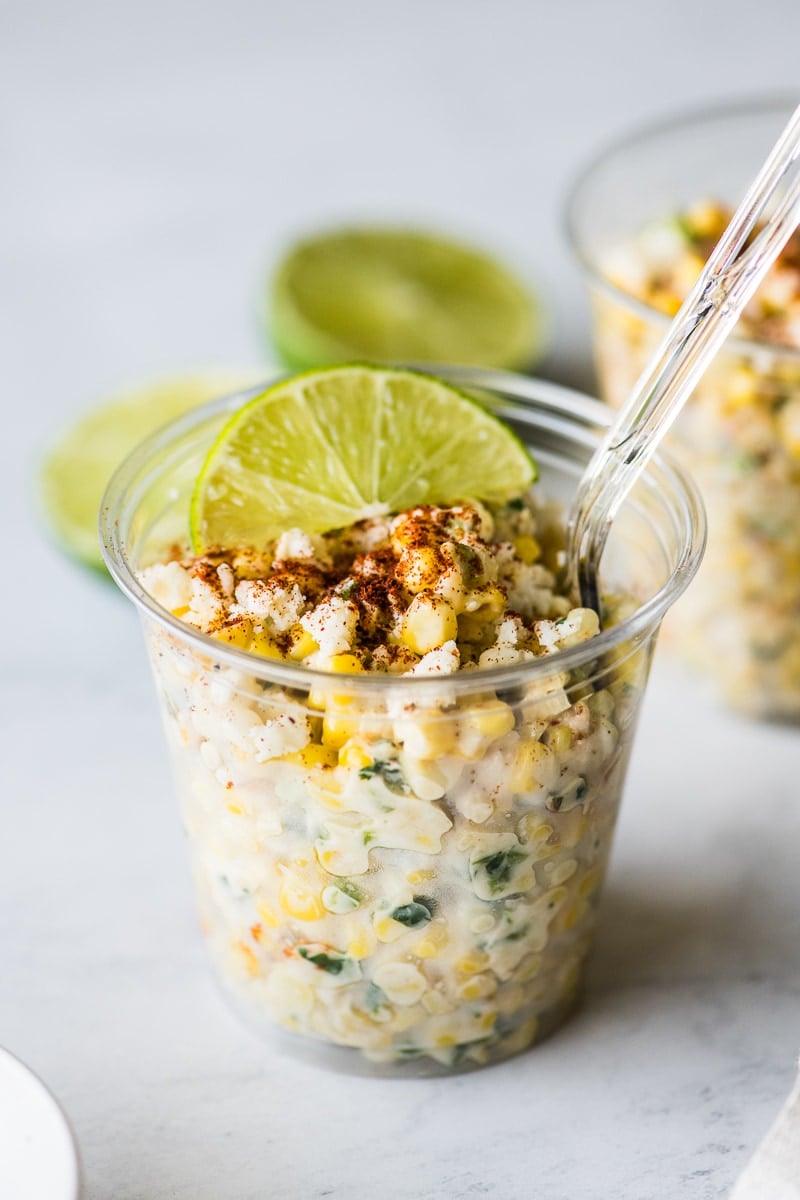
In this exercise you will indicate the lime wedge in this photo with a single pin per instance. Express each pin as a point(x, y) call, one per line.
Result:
point(396, 295)
point(76, 470)
point(326, 448)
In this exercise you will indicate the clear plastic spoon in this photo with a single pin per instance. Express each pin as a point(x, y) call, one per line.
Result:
point(731, 275)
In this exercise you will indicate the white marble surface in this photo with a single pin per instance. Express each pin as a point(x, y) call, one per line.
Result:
point(154, 158)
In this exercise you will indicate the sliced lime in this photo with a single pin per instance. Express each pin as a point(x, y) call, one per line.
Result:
point(398, 295)
point(75, 472)
point(326, 448)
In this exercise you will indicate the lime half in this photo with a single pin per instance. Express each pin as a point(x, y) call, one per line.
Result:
point(75, 472)
point(396, 295)
point(326, 448)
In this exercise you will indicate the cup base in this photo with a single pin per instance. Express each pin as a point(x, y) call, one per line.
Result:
point(348, 1060)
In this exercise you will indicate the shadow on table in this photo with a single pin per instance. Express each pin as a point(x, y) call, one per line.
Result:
point(709, 929)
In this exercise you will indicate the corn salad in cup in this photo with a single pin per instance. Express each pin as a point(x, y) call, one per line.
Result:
point(740, 433)
point(400, 746)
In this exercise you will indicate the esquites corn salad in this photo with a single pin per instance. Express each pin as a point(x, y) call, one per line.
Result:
point(412, 878)
point(740, 436)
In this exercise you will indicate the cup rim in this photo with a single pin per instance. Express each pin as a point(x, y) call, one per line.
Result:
point(640, 135)
point(523, 397)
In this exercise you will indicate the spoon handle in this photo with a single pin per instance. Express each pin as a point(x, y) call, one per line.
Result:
point(729, 278)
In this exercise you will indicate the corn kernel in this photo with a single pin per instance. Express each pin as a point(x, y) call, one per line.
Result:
point(527, 548)
point(471, 964)
point(360, 946)
point(313, 755)
point(345, 664)
point(436, 1004)
point(337, 729)
point(493, 720)
point(569, 917)
point(478, 987)
point(429, 622)
point(302, 644)
point(239, 634)
point(297, 901)
point(421, 876)
point(419, 568)
point(354, 756)
point(560, 738)
point(426, 739)
point(266, 914)
point(528, 969)
point(432, 942)
point(589, 883)
point(387, 929)
point(530, 756)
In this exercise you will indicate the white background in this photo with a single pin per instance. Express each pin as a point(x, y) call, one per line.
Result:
point(154, 160)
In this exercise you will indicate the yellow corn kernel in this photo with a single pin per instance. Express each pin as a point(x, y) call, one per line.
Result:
point(415, 877)
point(471, 964)
point(302, 644)
point(261, 643)
point(297, 901)
point(533, 831)
point(569, 917)
point(445, 1040)
point(239, 635)
point(426, 739)
point(530, 756)
point(354, 756)
point(410, 532)
point(488, 602)
point(589, 883)
point(487, 1021)
point(248, 958)
point(429, 622)
point(478, 987)
point(361, 945)
point(345, 664)
point(450, 585)
point(560, 738)
point(419, 568)
point(740, 390)
point(528, 969)
point(266, 914)
point(705, 219)
point(432, 942)
point(436, 1004)
point(686, 273)
point(527, 548)
point(235, 809)
point(493, 720)
point(313, 755)
point(337, 729)
point(387, 929)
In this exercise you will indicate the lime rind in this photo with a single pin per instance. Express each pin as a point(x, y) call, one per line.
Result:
point(73, 473)
point(329, 447)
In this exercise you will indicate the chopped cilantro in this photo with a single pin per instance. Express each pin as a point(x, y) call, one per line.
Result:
point(334, 965)
point(389, 771)
point(498, 868)
point(417, 913)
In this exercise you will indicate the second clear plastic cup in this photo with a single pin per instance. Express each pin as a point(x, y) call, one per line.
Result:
point(740, 432)
point(409, 883)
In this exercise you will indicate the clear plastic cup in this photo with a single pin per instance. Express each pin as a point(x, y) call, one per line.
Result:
point(413, 889)
point(740, 433)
